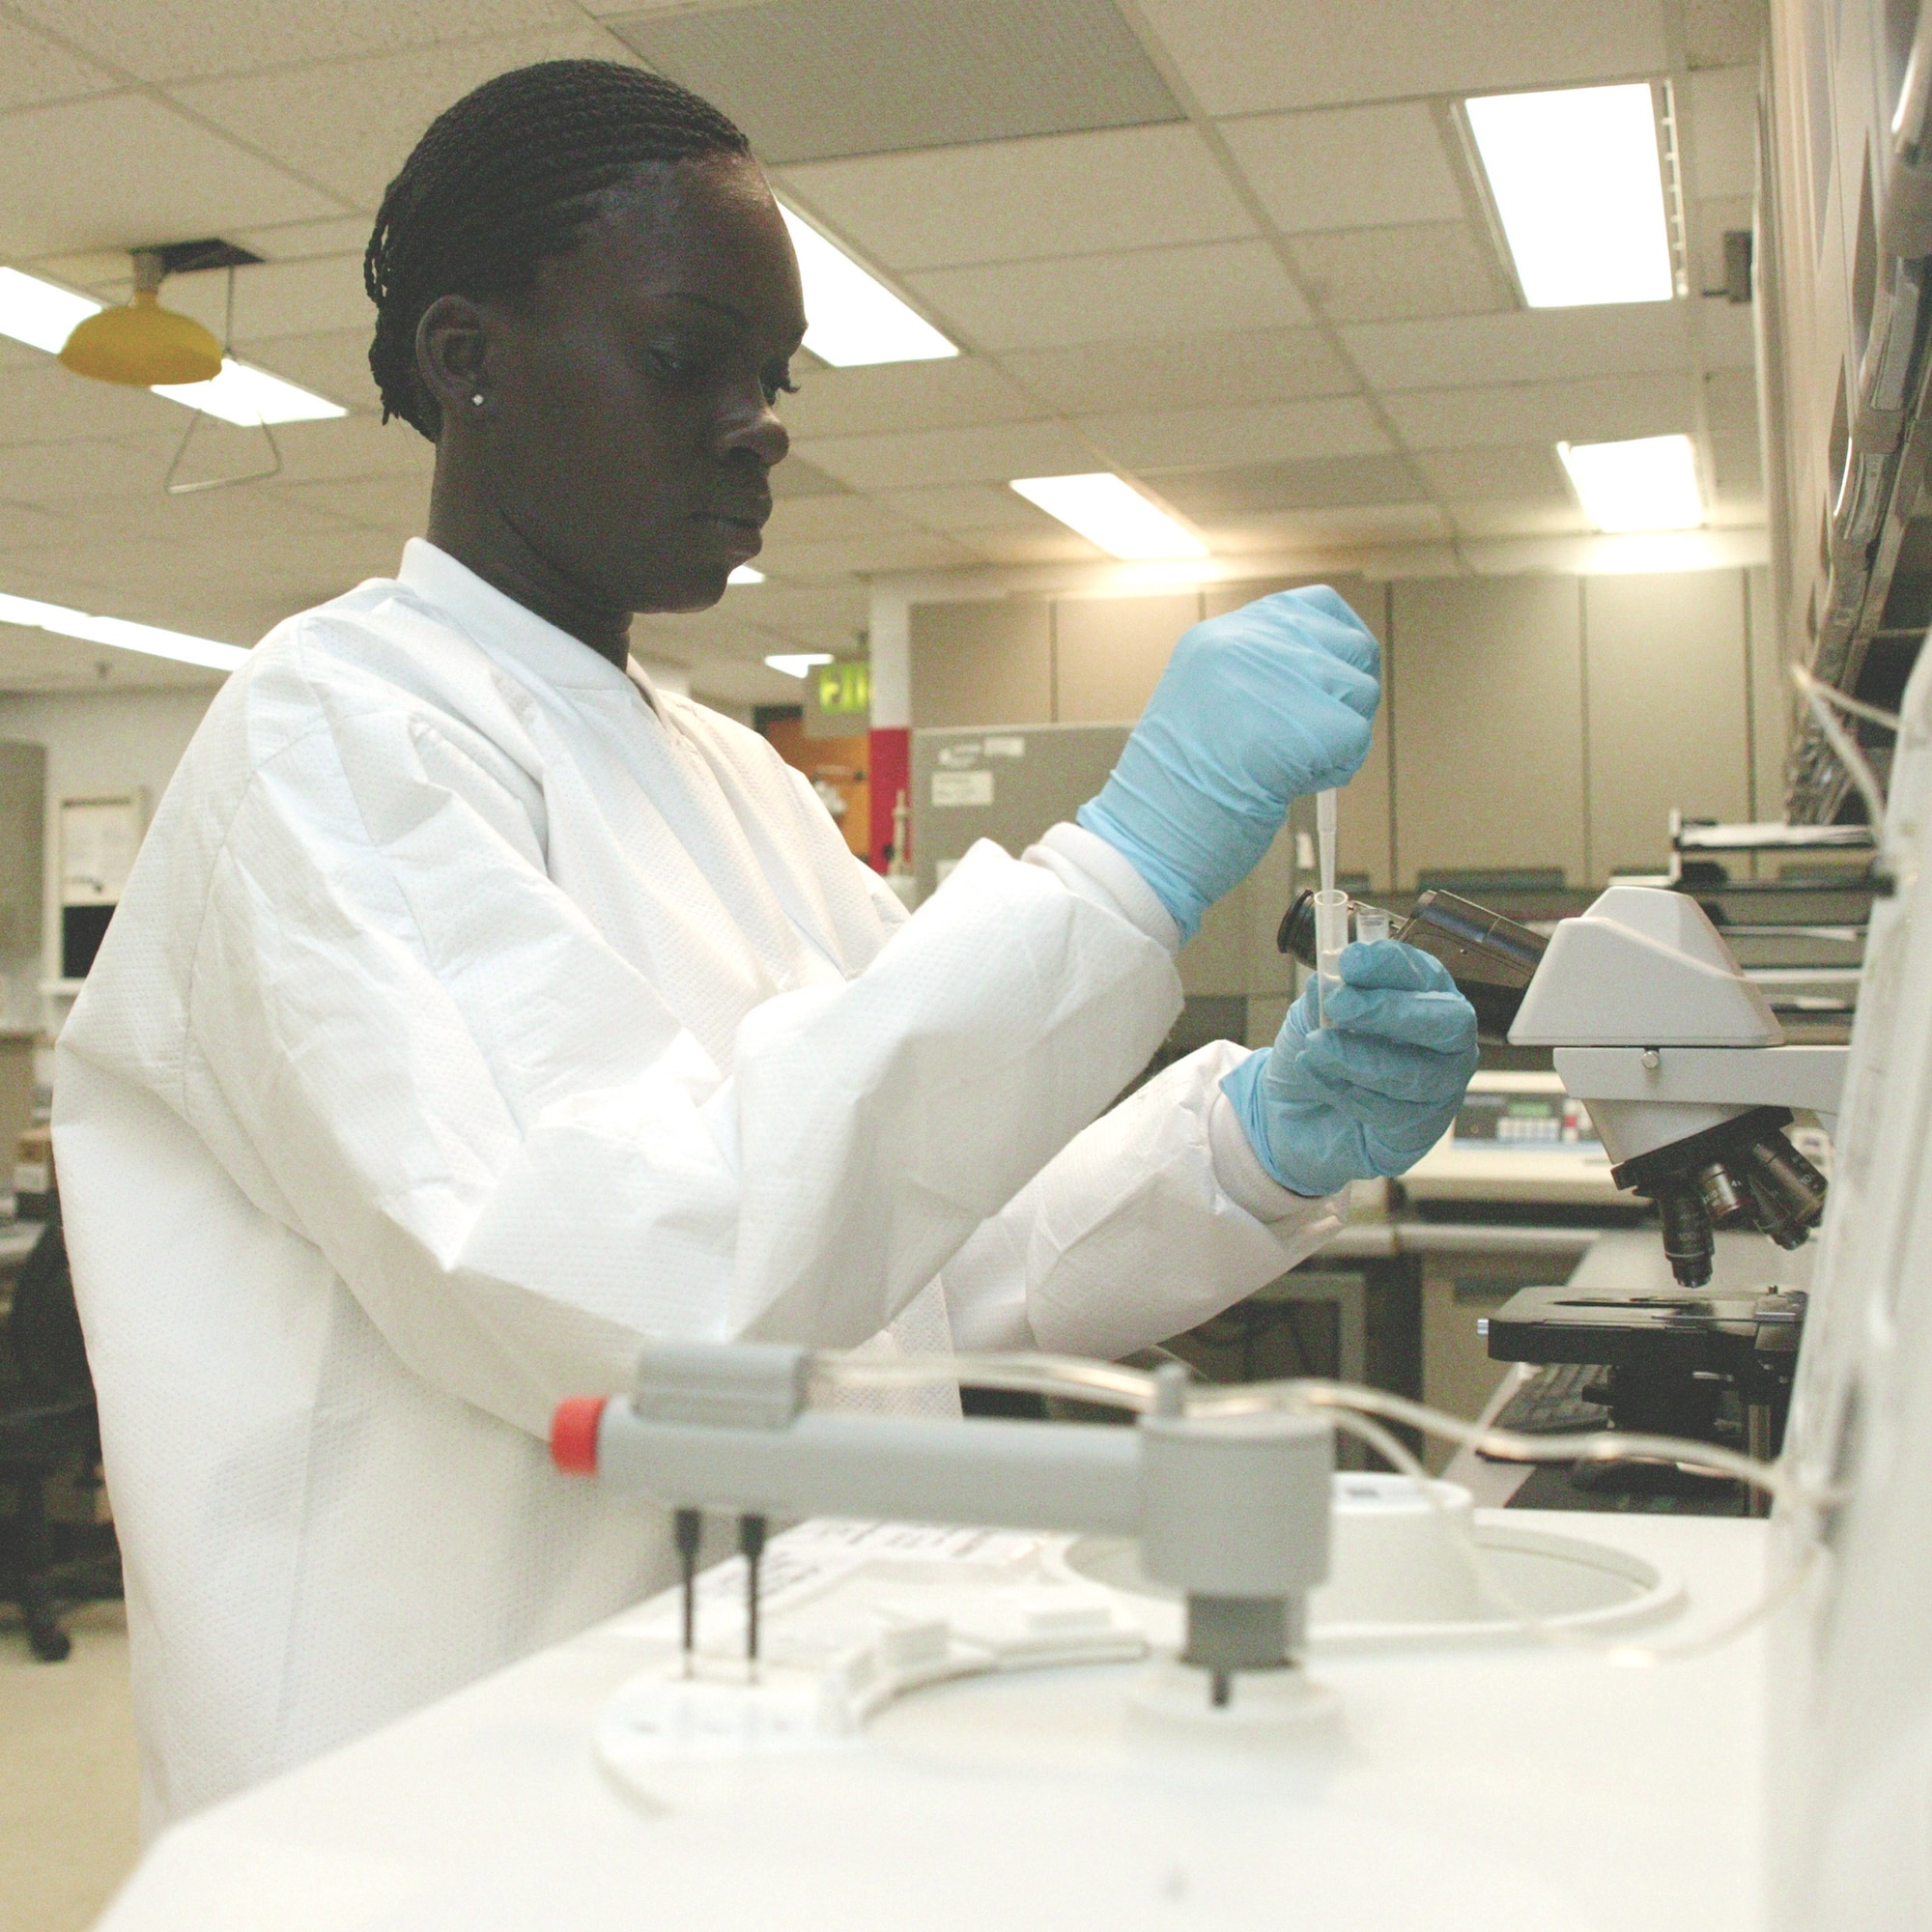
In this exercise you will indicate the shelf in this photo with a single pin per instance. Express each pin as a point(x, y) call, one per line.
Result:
point(1778, 837)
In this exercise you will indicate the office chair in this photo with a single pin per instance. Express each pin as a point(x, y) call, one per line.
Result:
point(47, 1424)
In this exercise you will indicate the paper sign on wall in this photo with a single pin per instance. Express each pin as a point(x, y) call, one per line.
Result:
point(99, 837)
point(950, 788)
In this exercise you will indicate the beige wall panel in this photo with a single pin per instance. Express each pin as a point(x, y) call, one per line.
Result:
point(1109, 653)
point(1668, 704)
point(1218, 958)
point(1486, 675)
point(981, 663)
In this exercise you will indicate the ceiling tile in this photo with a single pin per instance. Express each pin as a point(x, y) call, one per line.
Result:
point(1603, 409)
point(276, 299)
point(120, 170)
point(1525, 345)
point(1002, 201)
point(796, 477)
point(1338, 529)
point(42, 402)
point(1249, 56)
point(379, 502)
point(1348, 167)
point(1269, 432)
point(57, 472)
point(801, 520)
point(25, 527)
point(1388, 274)
point(172, 39)
point(1184, 372)
point(1722, 33)
point(1211, 495)
point(813, 80)
point(257, 517)
point(918, 457)
point(351, 447)
point(1523, 473)
point(827, 562)
point(1531, 517)
point(297, 240)
point(1048, 545)
point(1722, 130)
point(1154, 291)
point(350, 124)
point(34, 69)
point(744, 683)
point(1730, 404)
point(817, 617)
point(1725, 336)
point(969, 507)
point(956, 392)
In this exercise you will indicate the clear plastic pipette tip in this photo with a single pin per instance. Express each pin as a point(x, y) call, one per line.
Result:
point(1331, 909)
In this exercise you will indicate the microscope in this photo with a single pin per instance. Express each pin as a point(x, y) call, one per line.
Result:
point(1684, 1069)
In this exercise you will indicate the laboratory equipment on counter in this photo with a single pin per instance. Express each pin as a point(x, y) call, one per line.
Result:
point(1230, 1511)
point(1518, 1139)
point(1684, 1069)
point(1491, 958)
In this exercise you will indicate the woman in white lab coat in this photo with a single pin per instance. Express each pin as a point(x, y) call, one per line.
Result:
point(477, 1010)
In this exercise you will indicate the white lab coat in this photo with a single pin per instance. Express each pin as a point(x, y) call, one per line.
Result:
point(474, 1013)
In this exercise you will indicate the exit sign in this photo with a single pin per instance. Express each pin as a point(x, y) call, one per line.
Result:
point(845, 690)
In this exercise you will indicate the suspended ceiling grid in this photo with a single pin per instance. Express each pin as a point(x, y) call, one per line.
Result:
point(1234, 249)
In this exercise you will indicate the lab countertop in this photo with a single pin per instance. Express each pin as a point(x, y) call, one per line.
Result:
point(1383, 1240)
point(1515, 1787)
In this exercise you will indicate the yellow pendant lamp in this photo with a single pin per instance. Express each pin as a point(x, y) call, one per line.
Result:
point(143, 344)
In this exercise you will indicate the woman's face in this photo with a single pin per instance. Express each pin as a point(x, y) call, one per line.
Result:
point(629, 429)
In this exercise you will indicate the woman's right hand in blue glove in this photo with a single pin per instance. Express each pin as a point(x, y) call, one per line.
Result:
point(1256, 708)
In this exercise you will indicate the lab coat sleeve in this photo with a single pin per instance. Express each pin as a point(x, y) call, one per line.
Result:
point(1142, 1226)
point(409, 1046)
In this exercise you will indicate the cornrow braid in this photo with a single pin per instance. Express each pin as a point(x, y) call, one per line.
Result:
point(505, 178)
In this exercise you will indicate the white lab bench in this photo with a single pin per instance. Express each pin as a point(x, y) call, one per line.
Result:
point(1511, 1788)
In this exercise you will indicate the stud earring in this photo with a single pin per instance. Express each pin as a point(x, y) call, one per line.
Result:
point(477, 399)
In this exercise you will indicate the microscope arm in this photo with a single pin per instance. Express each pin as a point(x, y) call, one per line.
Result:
point(1805, 1078)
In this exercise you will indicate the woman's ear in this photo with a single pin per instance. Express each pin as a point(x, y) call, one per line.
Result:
point(453, 356)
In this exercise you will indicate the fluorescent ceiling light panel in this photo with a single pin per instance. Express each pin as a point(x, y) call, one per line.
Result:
point(1109, 512)
point(795, 664)
point(39, 314)
point(1650, 484)
point(1576, 183)
point(852, 318)
point(250, 397)
point(148, 638)
point(745, 573)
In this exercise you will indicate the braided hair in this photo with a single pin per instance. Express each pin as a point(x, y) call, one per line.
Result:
point(503, 180)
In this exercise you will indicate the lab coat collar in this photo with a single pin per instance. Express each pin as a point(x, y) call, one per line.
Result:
point(514, 636)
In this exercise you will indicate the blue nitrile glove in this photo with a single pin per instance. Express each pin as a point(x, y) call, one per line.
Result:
point(1255, 708)
point(1372, 1090)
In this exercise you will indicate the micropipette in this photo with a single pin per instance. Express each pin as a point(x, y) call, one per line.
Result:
point(1331, 910)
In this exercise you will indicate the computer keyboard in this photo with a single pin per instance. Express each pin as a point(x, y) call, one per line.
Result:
point(1556, 1401)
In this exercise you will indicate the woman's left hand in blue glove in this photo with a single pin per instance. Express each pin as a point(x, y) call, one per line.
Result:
point(1373, 1090)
